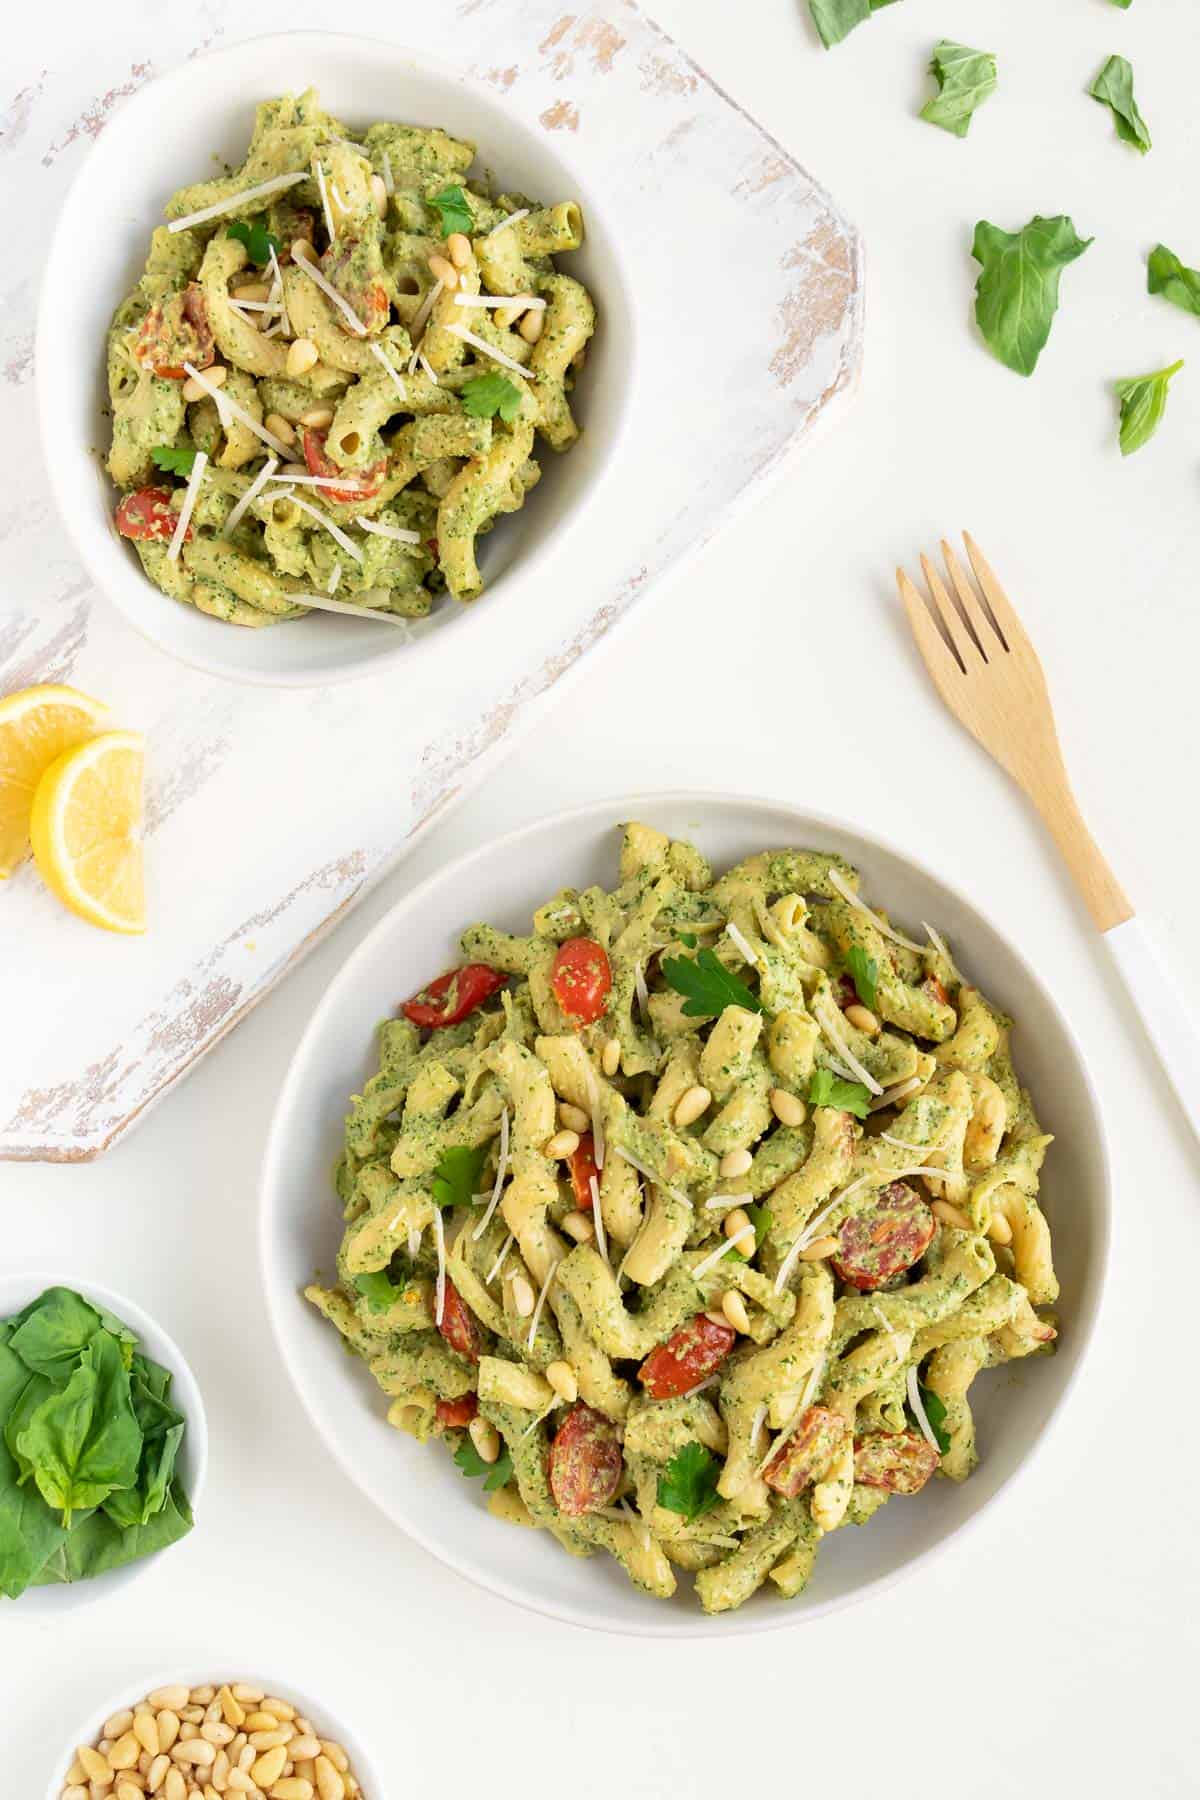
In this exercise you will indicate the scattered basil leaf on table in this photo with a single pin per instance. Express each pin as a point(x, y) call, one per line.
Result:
point(688, 1483)
point(175, 460)
point(453, 210)
point(1143, 401)
point(1016, 296)
point(836, 19)
point(935, 1412)
point(864, 972)
point(257, 239)
point(965, 79)
point(1167, 276)
point(84, 1441)
point(827, 1089)
point(1113, 87)
point(1123, 4)
point(707, 984)
point(471, 1463)
point(456, 1178)
point(486, 395)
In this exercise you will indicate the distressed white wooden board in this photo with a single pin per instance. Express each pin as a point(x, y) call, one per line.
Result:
point(271, 812)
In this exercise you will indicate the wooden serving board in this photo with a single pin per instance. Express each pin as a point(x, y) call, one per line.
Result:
point(271, 812)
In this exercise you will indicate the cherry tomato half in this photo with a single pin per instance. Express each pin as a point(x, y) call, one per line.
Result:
point(584, 1171)
point(174, 332)
point(454, 1415)
point(687, 1358)
point(585, 1462)
point(807, 1454)
point(933, 986)
point(901, 1461)
point(581, 978)
point(458, 1324)
point(367, 482)
point(147, 514)
point(885, 1238)
point(453, 995)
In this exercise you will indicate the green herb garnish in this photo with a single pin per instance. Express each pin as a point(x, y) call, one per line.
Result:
point(377, 1290)
point(827, 1089)
point(965, 79)
point(486, 395)
point(864, 972)
point(1143, 401)
point(1167, 276)
point(688, 1484)
point(175, 459)
point(257, 239)
point(1113, 87)
point(836, 19)
point(453, 210)
point(471, 1463)
point(1016, 296)
point(456, 1178)
point(708, 985)
point(688, 939)
point(935, 1412)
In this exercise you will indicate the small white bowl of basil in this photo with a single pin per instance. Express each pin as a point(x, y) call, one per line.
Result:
point(103, 1441)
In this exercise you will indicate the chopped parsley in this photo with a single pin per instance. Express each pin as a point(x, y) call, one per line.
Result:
point(257, 239)
point(377, 1290)
point(935, 1412)
point(827, 1089)
point(707, 984)
point(453, 210)
point(487, 395)
point(175, 459)
point(688, 1484)
point(864, 972)
point(472, 1464)
point(456, 1178)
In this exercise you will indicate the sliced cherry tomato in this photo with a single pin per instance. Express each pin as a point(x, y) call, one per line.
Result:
point(933, 986)
point(885, 1238)
point(584, 1171)
point(458, 1324)
point(901, 1461)
point(453, 995)
point(454, 1415)
point(687, 1358)
point(346, 265)
point(367, 481)
point(585, 1462)
point(174, 332)
point(807, 1454)
point(147, 514)
point(581, 978)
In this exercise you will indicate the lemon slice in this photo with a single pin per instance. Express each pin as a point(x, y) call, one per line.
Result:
point(36, 726)
point(86, 828)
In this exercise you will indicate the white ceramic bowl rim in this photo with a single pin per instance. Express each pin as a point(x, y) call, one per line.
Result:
point(461, 871)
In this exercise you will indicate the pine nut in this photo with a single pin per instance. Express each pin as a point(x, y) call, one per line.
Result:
point(215, 377)
point(819, 1249)
point(443, 271)
point(610, 1057)
point(267, 1770)
point(950, 1215)
point(176, 1786)
point(127, 1791)
point(562, 1379)
point(486, 1439)
point(330, 1785)
point(562, 1144)
point(77, 1773)
point(189, 1729)
point(734, 1162)
point(193, 1714)
point(578, 1225)
point(532, 325)
point(168, 1728)
point(267, 1740)
point(735, 1221)
point(231, 1712)
point(262, 1720)
point(379, 195)
point(302, 251)
point(863, 1019)
point(308, 1745)
point(145, 1730)
point(220, 1771)
point(695, 1101)
point(336, 1755)
point(459, 246)
point(95, 1766)
point(734, 1308)
point(75, 1792)
point(508, 315)
point(573, 1118)
point(252, 1695)
point(523, 1297)
point(156, 1774)
point(217, 1732)
point(118, 1725)
point(124, 1752)
point(196, 1751)
point(317, 418)
point(281, 1708)
point(999, 1230)
point(239, 1781)
point(251, 290)
point(301, 356)
point(788, 1109)
point(203, 1696)
point(292, 1788)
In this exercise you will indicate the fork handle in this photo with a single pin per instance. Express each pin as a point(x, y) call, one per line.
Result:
point(1155, 994)
point(1049, 789)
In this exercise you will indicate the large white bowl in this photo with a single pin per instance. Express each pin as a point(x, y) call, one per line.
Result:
point(301, 1226)
point(207, 106)
point(315, 1710)
point(17, 1289)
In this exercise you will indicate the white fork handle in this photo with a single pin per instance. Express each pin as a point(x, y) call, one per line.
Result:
point(1155, 994)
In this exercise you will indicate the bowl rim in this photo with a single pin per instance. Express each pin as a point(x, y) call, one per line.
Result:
point(200, 1674)
point(461, 869)
point(147, 1327)
point(81, 533)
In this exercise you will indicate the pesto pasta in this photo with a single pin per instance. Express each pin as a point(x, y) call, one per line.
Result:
point(331, 378)
point(689, 1219)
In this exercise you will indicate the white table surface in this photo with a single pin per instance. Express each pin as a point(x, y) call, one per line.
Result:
point(1055, 1651)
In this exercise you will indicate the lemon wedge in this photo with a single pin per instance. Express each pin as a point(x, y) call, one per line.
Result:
point(36, 726)
point(86, 828)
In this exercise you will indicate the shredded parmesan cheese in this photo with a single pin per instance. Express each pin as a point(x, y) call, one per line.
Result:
point(501, 1170)
point(414, 1240)
point(335, 531)
point(189, 501)
point(427, 367)
point(641, 990)
point(806, 1400)
point(598, 1218)
point(251, 424)
point(500, 1261)
point(388, 181)
point(551, 1272)
point(531, 302)
point(742, 944)
point(710, 1381)
point(512, 218)
point(327, 288)
point(393, 374)
point(389, 531)
point(844, 1051)
point(937, 943)
point(282, 295)
point(331, 585)
point(237, 203)
point(439, 1238)
point(486, 349)
point(919, 1413)
point(323, 603)
point(346, 483)
point(731, 1243)
point(890, 1096)
point(426, 307)
point(652, 1178)
point(900, 1143)
point(594, 1108)
point(251, 494)
point(320, 174)
point(851, 898)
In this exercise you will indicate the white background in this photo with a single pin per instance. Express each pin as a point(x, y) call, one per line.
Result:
point(1055, 1651)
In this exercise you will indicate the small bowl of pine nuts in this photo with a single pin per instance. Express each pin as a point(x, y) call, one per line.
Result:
point(185, 1738)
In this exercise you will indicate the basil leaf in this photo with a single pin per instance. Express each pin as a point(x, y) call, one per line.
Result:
point(864, 972)
point(836, 19)
point(1113, 87)
point(1143, 401)
point(84, 1442)
point(53, 1333)
point(965, 79)
point(457, 1176)
point(1016, 296)
point(1167, 276)
point(935, 1412)
point(377, 1290)
point(37, 1389)
point(29, 1531)
point(97, 1543)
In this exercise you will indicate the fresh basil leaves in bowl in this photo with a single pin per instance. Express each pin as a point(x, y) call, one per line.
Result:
point(103, 1440)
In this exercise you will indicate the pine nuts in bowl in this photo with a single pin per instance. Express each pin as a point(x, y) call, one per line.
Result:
point(187, 1737)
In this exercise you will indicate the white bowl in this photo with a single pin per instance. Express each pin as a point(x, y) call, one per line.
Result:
point(17, 1289)
point(301, 1225)
point(316, 1711)
point(207, 106)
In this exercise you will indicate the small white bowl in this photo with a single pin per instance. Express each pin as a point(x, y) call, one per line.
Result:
point(17, 1289)
point(301, 1225)
point(362, 1764)
point(206, 106)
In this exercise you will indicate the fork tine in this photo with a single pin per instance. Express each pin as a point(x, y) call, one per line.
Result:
point(941, 658)
point(1001, 615)
point(966, 599)
point(945, 603)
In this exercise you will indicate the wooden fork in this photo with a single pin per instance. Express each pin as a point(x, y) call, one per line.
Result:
point(987, 671)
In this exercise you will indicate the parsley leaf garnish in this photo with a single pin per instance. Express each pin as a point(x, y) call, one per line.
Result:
point(1113, 87)
point(257, 239)
point(688, 1484)
point(471, 1463)
point(453, 210)
point(456, 1178)
point(965, 78)
point(487, 395)
point(1143, 401)
point(864, 972)
point(1167, 276)
point(689, 939)
point(935, 1412)
point(1016, 296)
point(827, 1089)
point(176, 461)
point(377, 1290)
point(708, 985)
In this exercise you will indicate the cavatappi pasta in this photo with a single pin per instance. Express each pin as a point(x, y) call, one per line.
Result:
point(693, 1215)
point(331, 378)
